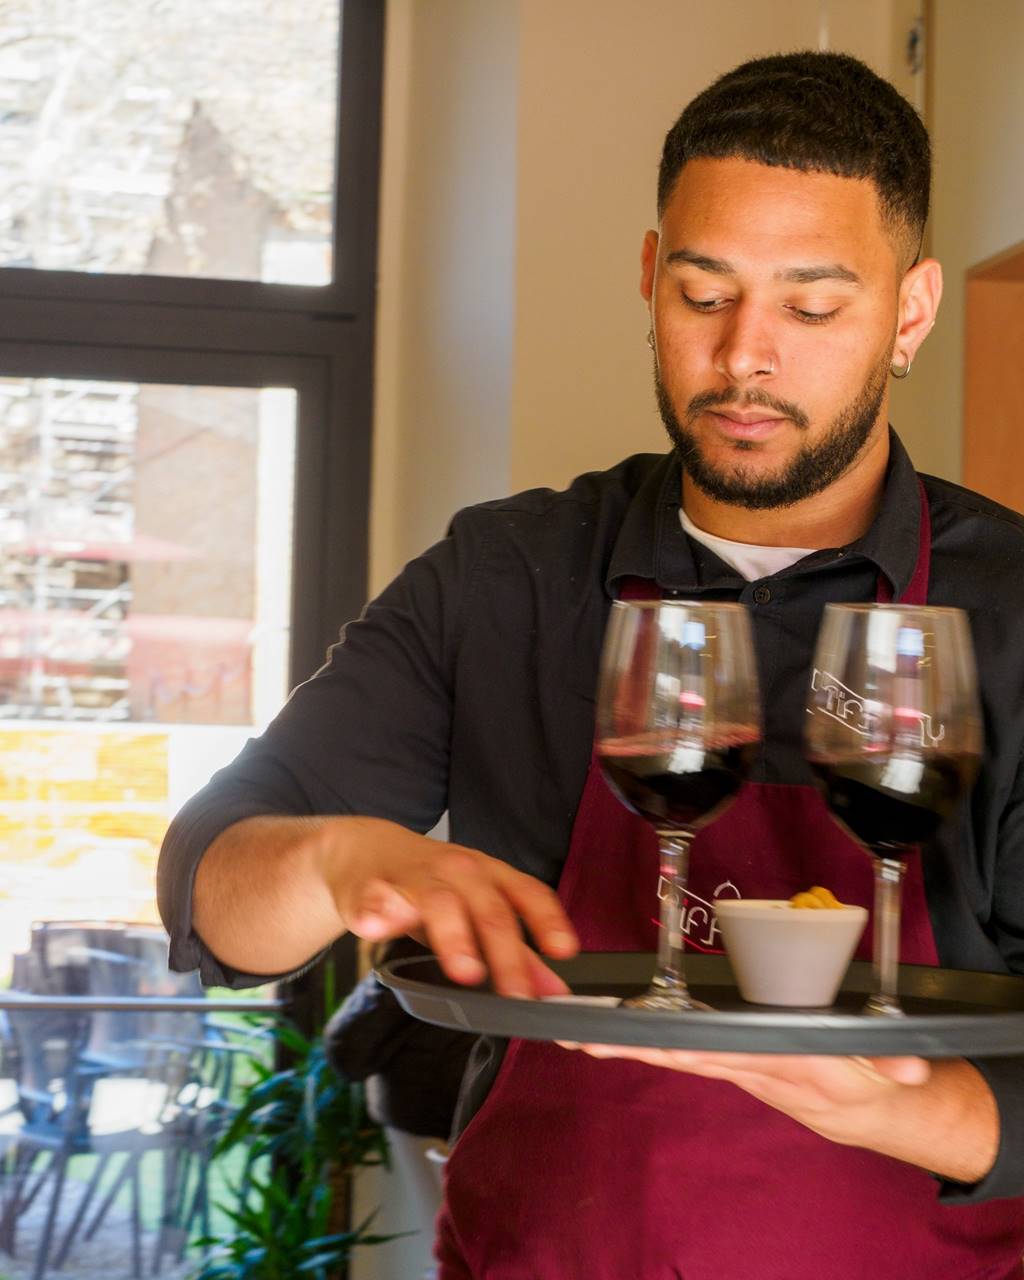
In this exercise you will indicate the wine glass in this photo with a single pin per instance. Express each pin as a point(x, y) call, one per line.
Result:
point(894, 738)
point(678, 721)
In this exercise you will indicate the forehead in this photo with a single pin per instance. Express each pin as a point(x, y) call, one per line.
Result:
point(751, 213)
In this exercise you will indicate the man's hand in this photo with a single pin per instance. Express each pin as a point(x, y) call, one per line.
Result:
point(940, 1116)
point(270, 892)
point(466, 906)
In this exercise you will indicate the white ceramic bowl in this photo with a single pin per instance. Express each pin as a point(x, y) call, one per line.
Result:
point(788, 955)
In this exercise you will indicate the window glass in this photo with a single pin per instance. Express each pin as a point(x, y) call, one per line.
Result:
point(193, 138)
point(145, 556)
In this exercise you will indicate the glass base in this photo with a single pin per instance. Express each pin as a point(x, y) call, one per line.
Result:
point(879, 1006)
point(666, 1000)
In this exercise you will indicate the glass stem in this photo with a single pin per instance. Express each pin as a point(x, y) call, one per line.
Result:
point(675, 858)
point(888, 890)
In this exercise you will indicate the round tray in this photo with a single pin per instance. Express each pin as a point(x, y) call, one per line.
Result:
point(950, 1012)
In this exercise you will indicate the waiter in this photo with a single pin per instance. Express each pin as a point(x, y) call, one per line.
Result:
point(785, 287)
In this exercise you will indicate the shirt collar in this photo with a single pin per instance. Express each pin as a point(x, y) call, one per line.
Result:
point(651, 543)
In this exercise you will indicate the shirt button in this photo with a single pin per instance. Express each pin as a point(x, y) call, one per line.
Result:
point(762, 595)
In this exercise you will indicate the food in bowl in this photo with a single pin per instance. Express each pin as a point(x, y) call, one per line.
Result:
point(817, 898)
point(783, 955)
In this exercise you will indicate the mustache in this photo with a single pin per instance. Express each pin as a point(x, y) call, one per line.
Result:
point(754, 396)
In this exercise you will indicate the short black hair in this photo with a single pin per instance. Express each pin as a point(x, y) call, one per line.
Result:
point(816, 112)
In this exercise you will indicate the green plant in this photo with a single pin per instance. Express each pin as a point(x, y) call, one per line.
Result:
point(302, 1130)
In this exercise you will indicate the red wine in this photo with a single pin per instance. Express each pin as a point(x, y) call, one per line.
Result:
point(674, 786)
point(891, 803)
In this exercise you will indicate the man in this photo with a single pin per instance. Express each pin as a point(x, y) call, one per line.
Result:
point(784, 287)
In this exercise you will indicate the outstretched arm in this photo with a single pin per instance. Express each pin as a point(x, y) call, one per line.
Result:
point(270, 893)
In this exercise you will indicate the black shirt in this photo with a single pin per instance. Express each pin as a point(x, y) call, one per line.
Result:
point(468, 686)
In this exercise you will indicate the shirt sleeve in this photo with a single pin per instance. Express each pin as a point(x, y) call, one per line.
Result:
point(1004, 1075)
point(368, 734)
point(1005, 1180)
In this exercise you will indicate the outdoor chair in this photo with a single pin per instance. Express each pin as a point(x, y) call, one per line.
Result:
point(92, 1111)
point(114, 1085)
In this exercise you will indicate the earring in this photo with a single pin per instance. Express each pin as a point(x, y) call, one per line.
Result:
point(650, 339)
point(900, 371)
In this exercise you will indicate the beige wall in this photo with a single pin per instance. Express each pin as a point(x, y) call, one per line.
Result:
point(520, 154)
point(446, 270)
point(600, 85)
point(978, 138)
point(521, 142)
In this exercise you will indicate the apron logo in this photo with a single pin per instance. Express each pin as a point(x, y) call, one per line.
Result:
point(854, 711)
point(698, 923)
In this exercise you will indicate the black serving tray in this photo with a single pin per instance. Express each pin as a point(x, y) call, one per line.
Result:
point(950, 1012)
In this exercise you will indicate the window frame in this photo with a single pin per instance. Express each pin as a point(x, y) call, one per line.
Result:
point(357, 129)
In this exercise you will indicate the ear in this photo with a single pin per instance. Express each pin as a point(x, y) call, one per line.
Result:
point(920, 292)
point(648, 265)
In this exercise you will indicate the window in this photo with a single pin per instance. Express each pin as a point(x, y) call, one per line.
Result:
point(188, 199)
point(183, 461)
point(188, 240)
point(190, 139)
point(146, 540)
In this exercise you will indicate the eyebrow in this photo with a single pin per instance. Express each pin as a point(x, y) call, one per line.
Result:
point(792, 275)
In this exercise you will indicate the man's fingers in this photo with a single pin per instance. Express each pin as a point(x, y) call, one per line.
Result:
point(545, 983)
point(498, 933)
point(382, 912)
point(450, 935)
point(770, 1076)
point(542, 913)
point(478, 884)
point(471, 908)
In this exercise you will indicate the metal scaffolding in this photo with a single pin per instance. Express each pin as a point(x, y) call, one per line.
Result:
point(66, 531)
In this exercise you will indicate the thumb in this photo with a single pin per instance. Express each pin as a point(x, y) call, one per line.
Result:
point(381, 911)
point(902, 1070)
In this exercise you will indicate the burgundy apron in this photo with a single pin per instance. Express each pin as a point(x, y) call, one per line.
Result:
point(584, 1169)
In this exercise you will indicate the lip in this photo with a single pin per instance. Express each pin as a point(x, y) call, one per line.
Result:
point(746, 426)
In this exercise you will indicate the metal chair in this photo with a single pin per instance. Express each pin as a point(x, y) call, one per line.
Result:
point(108, 1084)
point(94, 1111)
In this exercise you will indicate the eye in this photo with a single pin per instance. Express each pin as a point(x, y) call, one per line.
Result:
point(814, 317)
point(704, 304)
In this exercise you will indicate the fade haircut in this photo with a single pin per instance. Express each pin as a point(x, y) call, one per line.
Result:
point(819, 113)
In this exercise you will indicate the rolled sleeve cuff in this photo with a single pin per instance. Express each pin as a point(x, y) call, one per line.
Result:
point(189, 836)
point(1005, 1180)
point(191, 952)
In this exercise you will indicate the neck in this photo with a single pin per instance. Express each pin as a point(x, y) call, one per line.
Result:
point(838, 515)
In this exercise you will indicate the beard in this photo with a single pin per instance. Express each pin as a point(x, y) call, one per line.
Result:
point(815, 467)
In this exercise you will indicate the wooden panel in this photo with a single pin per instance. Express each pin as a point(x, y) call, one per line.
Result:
point(994, 390)
point(1007, 266)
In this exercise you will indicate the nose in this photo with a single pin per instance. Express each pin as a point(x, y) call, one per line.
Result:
point(745, 350)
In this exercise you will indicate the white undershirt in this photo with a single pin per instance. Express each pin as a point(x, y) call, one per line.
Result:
point(749, 561)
